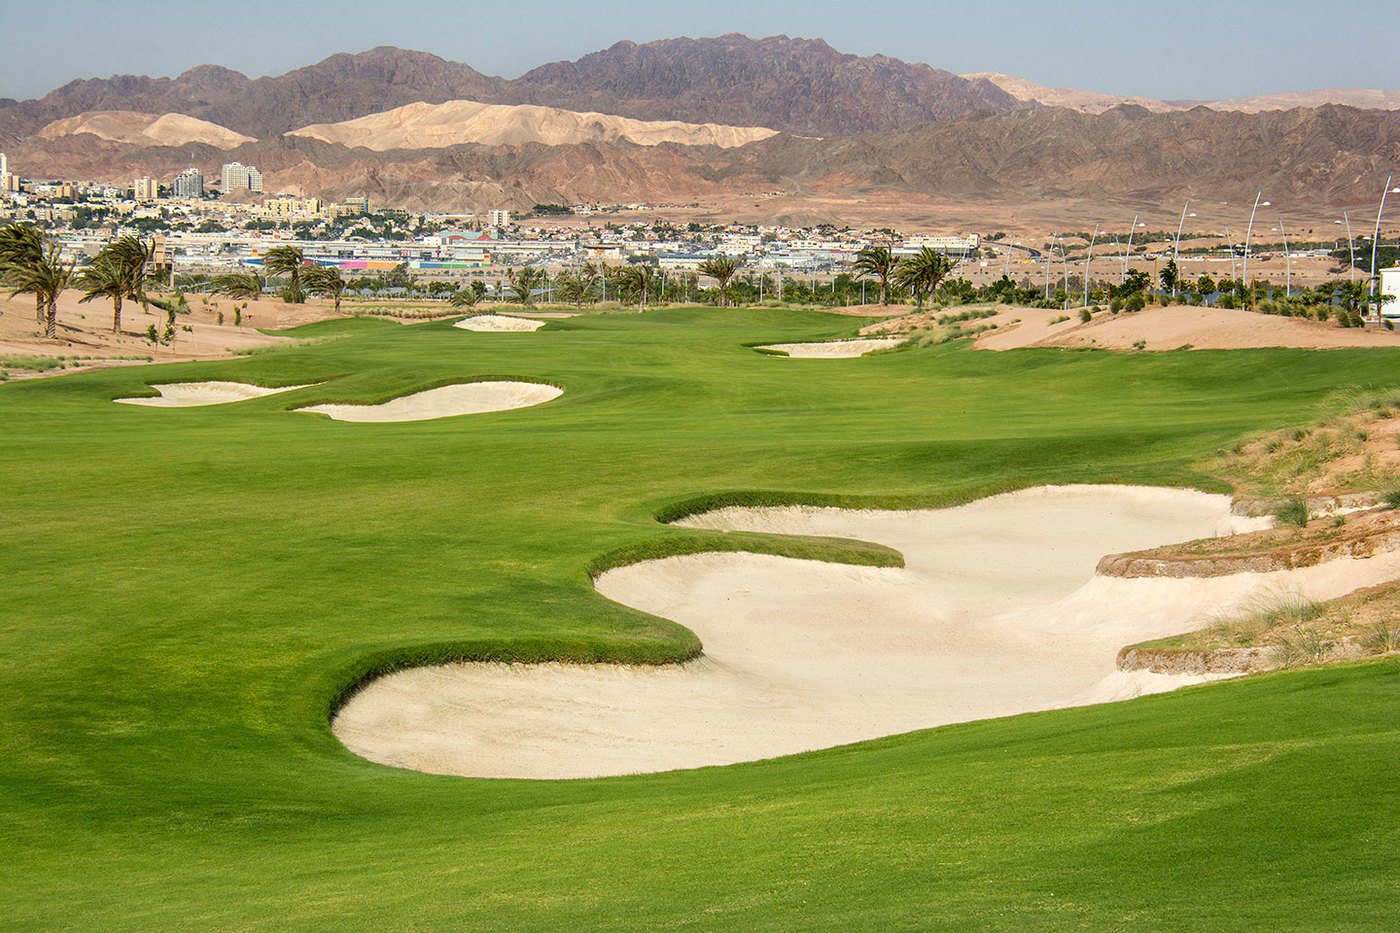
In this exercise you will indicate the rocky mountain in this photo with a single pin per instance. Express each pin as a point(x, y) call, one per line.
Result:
point(793, 85)
point(435, 126)
point(1095, 102)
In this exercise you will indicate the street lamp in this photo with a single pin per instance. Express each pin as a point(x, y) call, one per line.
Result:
point(1287, 260)
point(1376, 240)
point(1351, 245)
point(1129, 251)
point(1089, 263)
point(1176, 246)
point(1244, 273)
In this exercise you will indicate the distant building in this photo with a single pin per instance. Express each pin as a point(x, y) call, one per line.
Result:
point(146, 188)
point(499, 218)
point(189, 184)
point(4, 172)
point(239, 177)
point(292, 207)
point(350, 207)
point(962, 247)
point(1390, 285)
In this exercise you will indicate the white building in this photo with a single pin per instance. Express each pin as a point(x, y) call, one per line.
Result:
point(959, 246)
point(189, 184)
point(239, 177)
point(1390, 285)
point(146, 188)
point(499, 218)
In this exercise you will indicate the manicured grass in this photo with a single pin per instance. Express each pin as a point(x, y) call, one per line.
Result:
point(188, 593)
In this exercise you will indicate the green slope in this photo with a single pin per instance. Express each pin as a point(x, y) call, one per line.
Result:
point(188, 592)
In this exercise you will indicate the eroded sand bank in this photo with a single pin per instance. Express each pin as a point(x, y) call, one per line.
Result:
point(834, 349)
point(468, 398)
point(998, 611)
point(192, 394)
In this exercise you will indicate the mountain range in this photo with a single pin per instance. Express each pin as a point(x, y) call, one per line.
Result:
point(701, 120)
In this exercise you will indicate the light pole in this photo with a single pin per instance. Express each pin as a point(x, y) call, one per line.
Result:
point(1376, 239)
point(1287, 260)
point(1089, 263)
point(1230, 242)
point(1176, 245)
point(1351, 246)
point(1244, 272)
point(1129, 251)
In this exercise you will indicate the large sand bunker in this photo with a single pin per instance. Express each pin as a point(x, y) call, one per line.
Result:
point(498, 322)
point(192, 394)
point(468, 398)
point(998, 611)
point(834, 349)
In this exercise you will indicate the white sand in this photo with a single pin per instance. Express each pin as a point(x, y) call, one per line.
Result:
point(997, 612)
point(498, 322)
point(469, 398)
point(191, 394)
point(835, 349)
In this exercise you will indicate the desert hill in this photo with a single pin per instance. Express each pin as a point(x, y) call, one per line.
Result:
point(434, 126)
point(145, 129)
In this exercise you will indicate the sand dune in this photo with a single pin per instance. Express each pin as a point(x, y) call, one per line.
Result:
point(498, 322)
point(146, 129)
point(432, 126)
point(834, 349)
point(193, 394)
point(998, 611)
point(468, 398)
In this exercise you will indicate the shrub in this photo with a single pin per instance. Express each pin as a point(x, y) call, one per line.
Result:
point(1115, 305)
point(1383, 638)
point(1293, 512)
point(1135, 302)
point(1085, 315)
point(1392, 498)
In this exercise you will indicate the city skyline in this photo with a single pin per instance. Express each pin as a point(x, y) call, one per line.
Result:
point(1194, 51)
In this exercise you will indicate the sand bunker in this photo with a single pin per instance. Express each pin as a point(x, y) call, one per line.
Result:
point(834, 349)
point(468, 398)
point(998, 611)
point(498, 322)
point(192, 394)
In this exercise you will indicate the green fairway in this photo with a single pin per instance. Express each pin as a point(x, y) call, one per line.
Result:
point(189, 592)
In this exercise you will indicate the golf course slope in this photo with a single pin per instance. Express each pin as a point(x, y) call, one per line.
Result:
point(191, 596)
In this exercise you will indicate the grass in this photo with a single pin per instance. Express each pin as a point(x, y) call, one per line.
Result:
point(190, 592)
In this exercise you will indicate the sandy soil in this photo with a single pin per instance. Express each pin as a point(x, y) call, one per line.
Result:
point(192, 394)
point(86, 341)
point(468, 398)
point(997, 612)
point(1177, 326)
point(834, 349)
point(498, 322)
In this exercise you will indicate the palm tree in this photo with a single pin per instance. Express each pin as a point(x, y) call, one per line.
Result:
point(22, 245)
point(721, 269)
point(465, 297)
point(877, 262)
point(45, 280)
point(524, 282)
point(326, 281)
point(287, 260)
point(632, 283)
point(133, 257)
point(922, 273)
point(105, 279)
point(575, 289)
point(237, 285)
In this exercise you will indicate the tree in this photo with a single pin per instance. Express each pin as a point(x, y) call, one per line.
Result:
point(45, 280)
point(1170, 276)
point(463, 298)
point(22, 245)
point(1205, 285)
point(523, 283)
point(105, 279)
point(922, 273)
point(721, 269)
point(575, 289)
point(133, 257)
point(876, 262)
point(236, 285)
point(631, 283)
point(327, 282)
point(287, 260)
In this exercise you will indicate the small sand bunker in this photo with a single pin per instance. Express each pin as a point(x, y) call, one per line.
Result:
point(468, 398)
point(997, 612)
point(193, 394)
point(835, 349)
point(498, 322)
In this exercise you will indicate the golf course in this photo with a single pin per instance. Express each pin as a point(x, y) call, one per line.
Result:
point(193, 591)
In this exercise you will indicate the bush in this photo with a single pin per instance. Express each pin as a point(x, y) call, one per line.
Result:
point(1293, 512)
point(1135, 302)
point(1391, 498)
point(1115, 305)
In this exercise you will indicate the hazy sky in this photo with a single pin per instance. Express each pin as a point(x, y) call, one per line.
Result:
point(1182, 49)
